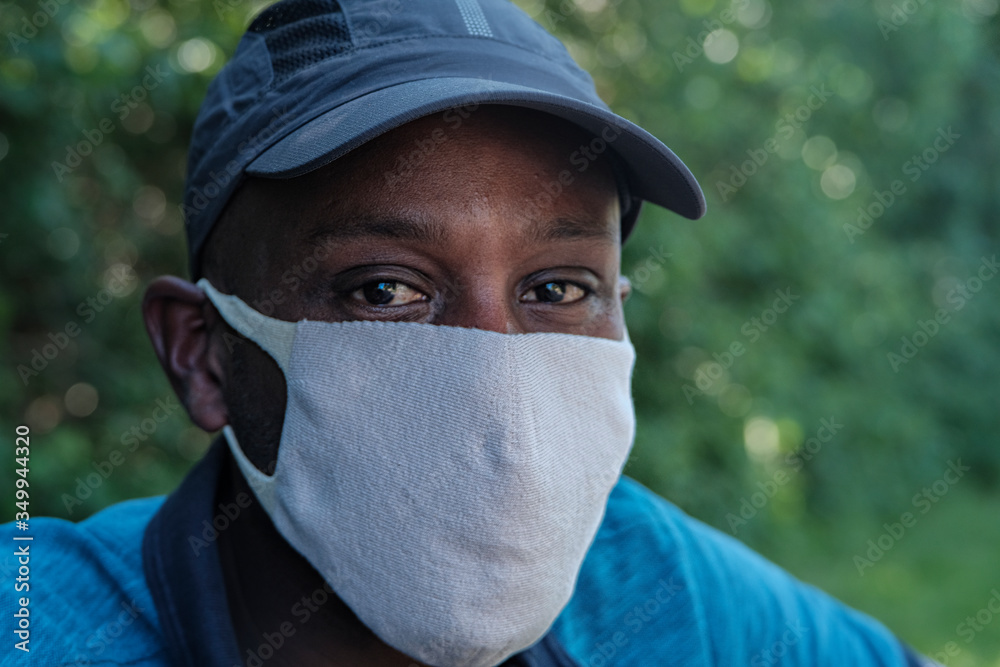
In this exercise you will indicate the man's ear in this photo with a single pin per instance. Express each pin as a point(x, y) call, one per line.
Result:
point(624, 288)
point(180, 320)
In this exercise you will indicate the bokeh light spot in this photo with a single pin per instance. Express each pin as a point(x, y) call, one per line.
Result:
point(761, 438)
point(196, 55)
point(81, 399)
point(819, 152)
point(838, 181)
point(721, 46)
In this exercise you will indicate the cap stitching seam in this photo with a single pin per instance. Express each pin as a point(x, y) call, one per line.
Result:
point(479, 37)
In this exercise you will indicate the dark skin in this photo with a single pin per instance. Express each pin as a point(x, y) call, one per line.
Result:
point(453, 241)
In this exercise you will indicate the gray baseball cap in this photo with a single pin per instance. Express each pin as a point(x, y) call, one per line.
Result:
point(313, 79)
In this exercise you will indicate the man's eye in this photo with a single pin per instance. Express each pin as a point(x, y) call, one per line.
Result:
point(387, 293)
point(556, 291)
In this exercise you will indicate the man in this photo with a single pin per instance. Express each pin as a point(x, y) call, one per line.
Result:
point(405, 224)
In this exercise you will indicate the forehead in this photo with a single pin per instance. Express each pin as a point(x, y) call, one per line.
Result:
point(496, 152)
point(505, 172)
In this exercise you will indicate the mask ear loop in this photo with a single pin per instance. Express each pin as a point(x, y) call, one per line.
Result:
point(274, 336)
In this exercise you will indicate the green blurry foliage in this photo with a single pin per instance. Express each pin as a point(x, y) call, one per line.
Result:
point(716, 81)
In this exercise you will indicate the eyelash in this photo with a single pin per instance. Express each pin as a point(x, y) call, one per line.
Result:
point(587, 292)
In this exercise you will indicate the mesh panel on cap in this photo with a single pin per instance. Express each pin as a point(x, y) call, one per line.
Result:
point(300, 33)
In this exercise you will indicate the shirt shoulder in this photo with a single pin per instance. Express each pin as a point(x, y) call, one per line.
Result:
point(87, 598)
point(657, 582)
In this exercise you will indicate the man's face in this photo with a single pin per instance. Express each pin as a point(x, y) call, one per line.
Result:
point(437, 221)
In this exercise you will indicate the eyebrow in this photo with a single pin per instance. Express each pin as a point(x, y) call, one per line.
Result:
point(570, 228)
point(422, 229)
point(408, 228)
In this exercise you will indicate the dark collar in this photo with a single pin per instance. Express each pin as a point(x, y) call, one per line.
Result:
point(181, 561)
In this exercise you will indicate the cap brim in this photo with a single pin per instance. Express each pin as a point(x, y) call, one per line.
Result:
point(656, 174)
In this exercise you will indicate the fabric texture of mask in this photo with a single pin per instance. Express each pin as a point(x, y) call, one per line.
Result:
point(445, 481)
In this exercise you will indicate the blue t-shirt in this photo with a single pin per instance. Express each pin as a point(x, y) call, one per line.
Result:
point(140, 584)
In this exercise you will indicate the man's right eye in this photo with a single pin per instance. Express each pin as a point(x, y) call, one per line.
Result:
point(389, 293)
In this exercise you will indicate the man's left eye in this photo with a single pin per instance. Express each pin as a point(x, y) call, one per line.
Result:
point(556, 291)
point(387, 293)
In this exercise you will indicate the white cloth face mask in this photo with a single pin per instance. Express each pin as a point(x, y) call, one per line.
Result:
point(446, 482)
